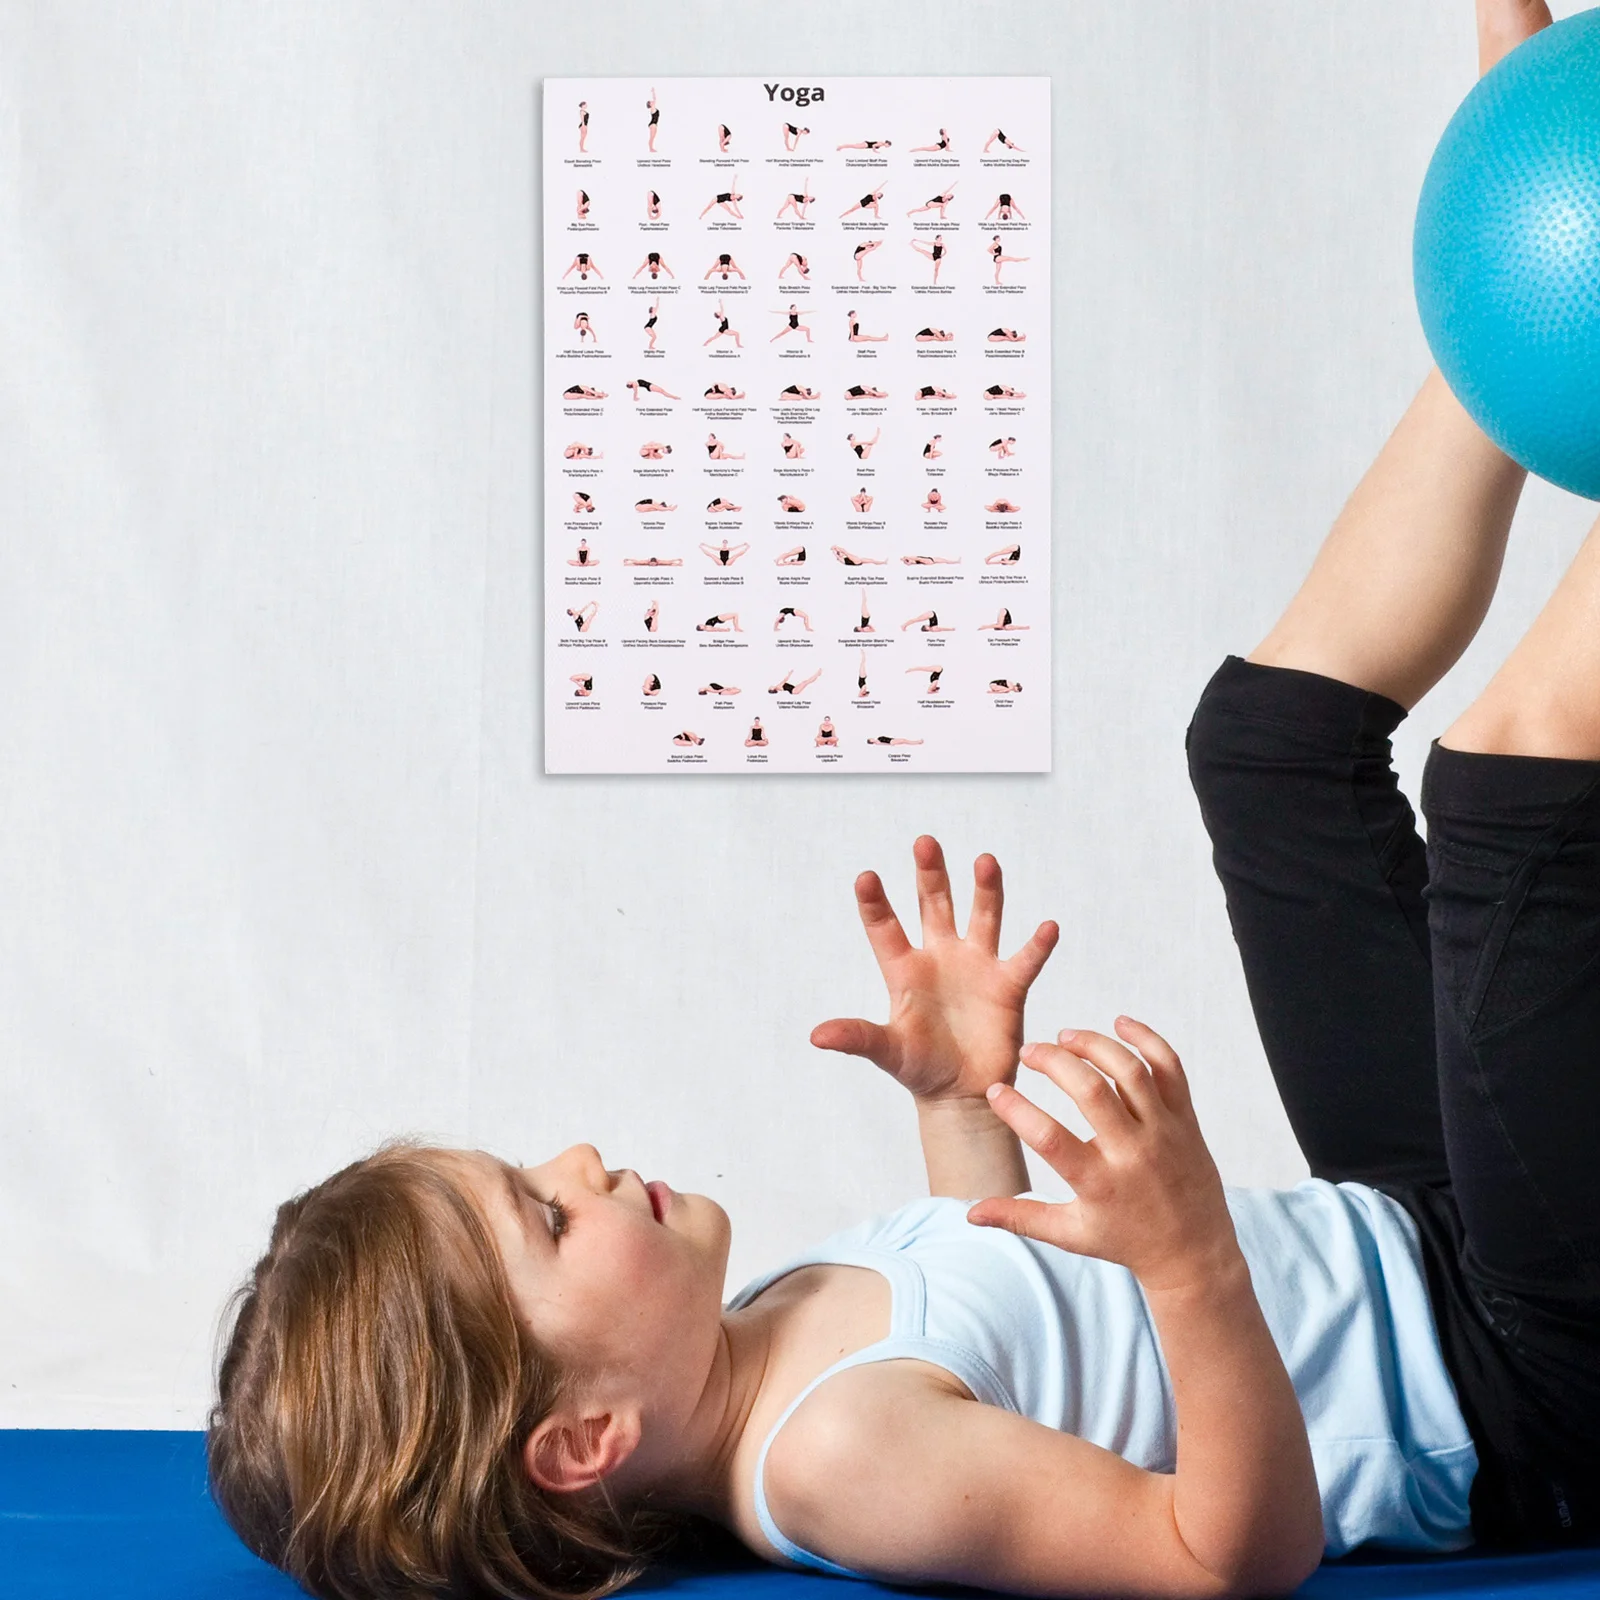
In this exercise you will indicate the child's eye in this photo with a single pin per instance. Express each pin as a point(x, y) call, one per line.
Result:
point(558, 1216)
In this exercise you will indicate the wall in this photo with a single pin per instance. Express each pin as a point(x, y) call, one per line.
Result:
point(281, 872)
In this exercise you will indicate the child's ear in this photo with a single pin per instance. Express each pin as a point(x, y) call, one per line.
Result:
point(565, 1453)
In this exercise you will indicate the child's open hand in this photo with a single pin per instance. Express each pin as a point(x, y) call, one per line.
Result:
point(1148, 1193)
point(955, 1008)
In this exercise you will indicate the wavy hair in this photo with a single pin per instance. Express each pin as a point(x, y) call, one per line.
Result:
point(375, 1389)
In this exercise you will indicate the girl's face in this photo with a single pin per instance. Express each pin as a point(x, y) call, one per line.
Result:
point(620, 1282)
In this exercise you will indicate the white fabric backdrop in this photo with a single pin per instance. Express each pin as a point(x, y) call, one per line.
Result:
point(279, 870)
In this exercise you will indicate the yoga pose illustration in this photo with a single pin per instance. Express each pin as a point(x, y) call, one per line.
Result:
point(652, 561)
point(798, 263)
point(929, 623)
point(722, 622)
point(1005, 336)
point(584, 557)
point(582, 502)
point(724, 391)
point(865, 624)
point(655, 120)
point(639, 387)
point(1004, 448)
point(724, 267)
point(942, 143)
point(792, 136)
point(652, 209)
point(862, 691)
point(651, 686)
point(1004, 391)
point(582, 391)
point(848, 558)
point(862, 251)
point(1002, 507)
point(866, 144)
point(796, 203)
point(652, 612)
point(650, 323)
point(1005, 208)
point(827, 734)
point(1008, 555)
point(724, 554)
point(997, 137)
point(999, 257)
point(787, 685)
point(1005, 686)
point(861, 501)
point(687, 738)
point(789, 503)
point(794, 556)
point(933, 336)
point(930, 561)
point(931, 450)
point(721, 507)
point(793, 449)
point(583, 452)
point(865, 391)
point(650, 503)
point(583, 127)
point(583, 204)
point(583, 684)
point(940, 202)
point(868, 202)
point(798, 391)
point(583, 264)
point(718, 451)
point(724, 136)
point(863, 448)
point(723, 330)
point(654, 450)
point(935, 252)
point(934, 675)
point(793, 323)
point(1003, 624)
point(933, 501)
point(884, 738)
point(932, 391)
point(721, 689)
point(583, 617)
point(655, 264)
point(758, 737)
point(727, 201)
point(792, 611)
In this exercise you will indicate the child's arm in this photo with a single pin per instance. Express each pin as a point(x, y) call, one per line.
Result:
point(955, 1022)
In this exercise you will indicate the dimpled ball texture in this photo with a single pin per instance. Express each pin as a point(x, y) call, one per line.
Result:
point(1506, 254)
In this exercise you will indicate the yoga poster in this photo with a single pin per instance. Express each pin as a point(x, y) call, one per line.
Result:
point(797, 403)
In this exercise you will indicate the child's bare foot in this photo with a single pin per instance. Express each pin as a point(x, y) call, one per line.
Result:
point(1504, 24)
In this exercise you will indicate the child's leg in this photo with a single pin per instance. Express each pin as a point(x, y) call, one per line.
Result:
point(1316, 847)
point(1407, 572)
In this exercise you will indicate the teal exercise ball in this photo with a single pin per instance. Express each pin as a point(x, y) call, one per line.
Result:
point(1506, 254)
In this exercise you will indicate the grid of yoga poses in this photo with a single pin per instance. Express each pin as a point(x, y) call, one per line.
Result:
point(797, 425)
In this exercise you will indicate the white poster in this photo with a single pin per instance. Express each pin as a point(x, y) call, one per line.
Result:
point(797, 402)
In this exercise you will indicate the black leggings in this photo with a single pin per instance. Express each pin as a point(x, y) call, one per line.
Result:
point(1432, 1018)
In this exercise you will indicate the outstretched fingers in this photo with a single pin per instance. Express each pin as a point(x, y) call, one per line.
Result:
point(988, 903)
point(884, 933)
point(1166, 1070)
point(933, 891)
point(1110, 1063)
point(855, 1036)
point(1064, 1151)
point(1029, 961)
point(1032, 1219)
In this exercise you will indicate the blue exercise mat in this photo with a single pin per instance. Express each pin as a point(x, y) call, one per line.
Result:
point(125, 1516)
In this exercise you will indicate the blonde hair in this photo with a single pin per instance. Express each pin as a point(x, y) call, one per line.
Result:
point(374, 1395)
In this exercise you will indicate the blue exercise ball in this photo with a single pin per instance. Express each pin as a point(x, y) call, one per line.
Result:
point(1506, 254)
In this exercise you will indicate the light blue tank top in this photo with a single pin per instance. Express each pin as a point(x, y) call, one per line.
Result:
point(1068, 1341)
